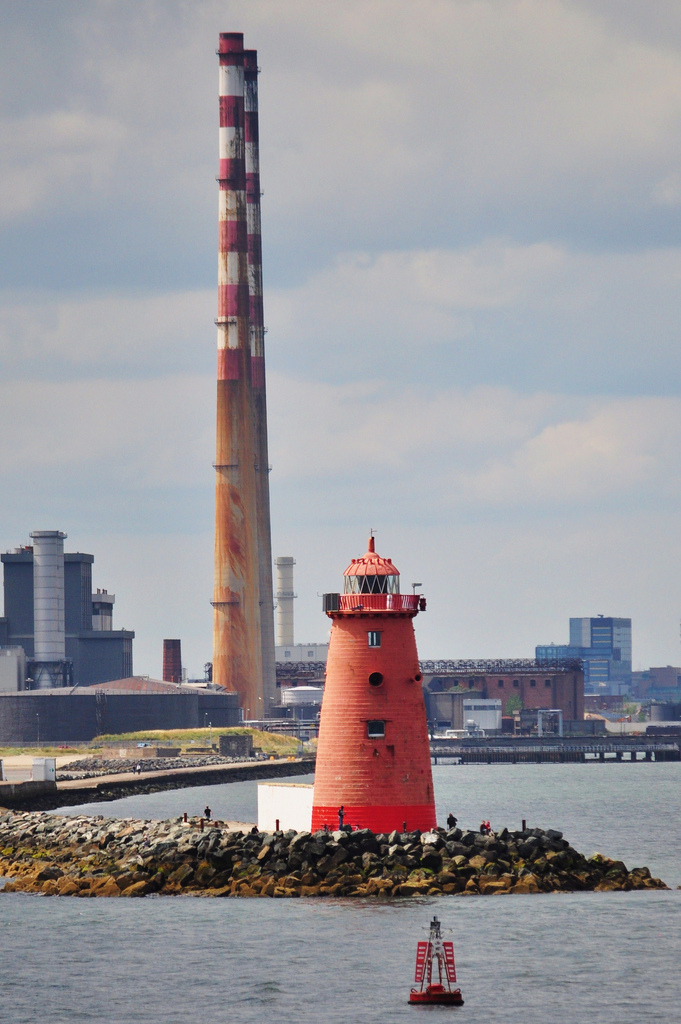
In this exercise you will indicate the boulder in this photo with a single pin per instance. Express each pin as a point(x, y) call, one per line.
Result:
point(204, 873)
point(67, 887)
point(136, 889)
point(607, 885)
point(526, 884)
point(51, 872)
point(181, 876)
point(412, 889)
point(300, 837)
point(107, 888)
point(457, 849)
point(431, 860)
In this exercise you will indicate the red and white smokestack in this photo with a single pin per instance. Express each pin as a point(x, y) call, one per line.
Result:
point(236, 622)
point(255, 289)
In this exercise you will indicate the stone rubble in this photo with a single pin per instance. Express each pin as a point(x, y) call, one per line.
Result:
point(58, 855)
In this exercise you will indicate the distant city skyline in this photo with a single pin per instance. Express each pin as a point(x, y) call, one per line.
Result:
point(472, 265)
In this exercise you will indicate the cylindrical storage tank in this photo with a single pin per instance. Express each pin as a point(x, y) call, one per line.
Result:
point(373, 754)
point(285, 598)
point(302, 695)
point(172, 661)
point(48, 599)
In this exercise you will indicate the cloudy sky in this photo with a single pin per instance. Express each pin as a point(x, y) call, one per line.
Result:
point(472, 233)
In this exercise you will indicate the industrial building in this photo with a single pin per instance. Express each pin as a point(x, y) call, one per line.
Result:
point(301, 654)
point(483, 713)
point(604, 645)
point(659, 683)
point(79, 714)
point(519, 685)
point(297, 665)
point(51, 613)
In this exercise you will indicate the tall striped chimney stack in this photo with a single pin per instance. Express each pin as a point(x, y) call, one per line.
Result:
point(262, 484)
point(243, 617)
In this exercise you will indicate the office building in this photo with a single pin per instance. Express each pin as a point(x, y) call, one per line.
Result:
point(604, 645)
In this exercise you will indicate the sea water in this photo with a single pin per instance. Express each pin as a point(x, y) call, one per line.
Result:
point(601, 958)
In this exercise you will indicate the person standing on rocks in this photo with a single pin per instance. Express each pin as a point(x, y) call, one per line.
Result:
point(207, 812)
point(341, 813)
point(451, 821)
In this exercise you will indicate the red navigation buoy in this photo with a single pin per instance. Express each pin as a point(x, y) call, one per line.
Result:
point(435, 952)
point(373, 756)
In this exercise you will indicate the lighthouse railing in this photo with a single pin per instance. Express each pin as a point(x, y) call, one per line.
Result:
point(379, 602)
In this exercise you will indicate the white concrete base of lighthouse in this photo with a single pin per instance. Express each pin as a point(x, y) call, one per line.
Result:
point(289, 803)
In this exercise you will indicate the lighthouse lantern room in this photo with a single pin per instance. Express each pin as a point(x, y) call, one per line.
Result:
point(373, 756)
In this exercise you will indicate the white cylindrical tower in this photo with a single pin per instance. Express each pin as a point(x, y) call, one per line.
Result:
point(48, 607)
point(285, 598)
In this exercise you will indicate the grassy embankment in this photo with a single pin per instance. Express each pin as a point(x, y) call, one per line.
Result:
point(268, 742)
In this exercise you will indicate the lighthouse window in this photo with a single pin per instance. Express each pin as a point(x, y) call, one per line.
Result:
point(375, 730)
point(375, 679)
point(372, 584)
point(374, 638)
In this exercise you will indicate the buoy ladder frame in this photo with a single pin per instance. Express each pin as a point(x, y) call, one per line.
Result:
point(435, 951)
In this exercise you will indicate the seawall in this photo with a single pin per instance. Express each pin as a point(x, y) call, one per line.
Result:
point(45, 796)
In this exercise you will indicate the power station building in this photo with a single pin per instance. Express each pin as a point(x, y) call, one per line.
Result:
point(89, 648)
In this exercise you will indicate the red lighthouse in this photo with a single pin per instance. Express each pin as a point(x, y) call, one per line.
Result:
point(373, 757)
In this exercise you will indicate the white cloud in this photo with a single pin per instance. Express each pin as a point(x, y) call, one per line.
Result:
point(667, 192)
point(107, 332)
point(139, 435)
point(481, 449)
point(625, 447)
point(538, 317)
point(51, 156)
point(498, 111)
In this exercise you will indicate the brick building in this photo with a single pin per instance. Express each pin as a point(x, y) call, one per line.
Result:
point(521, 685)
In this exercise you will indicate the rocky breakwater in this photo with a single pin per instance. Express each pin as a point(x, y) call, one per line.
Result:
point(94, 767)
point(96, 856)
